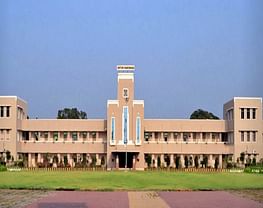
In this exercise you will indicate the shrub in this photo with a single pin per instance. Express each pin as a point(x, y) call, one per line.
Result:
point(205, 161)
point(242, 157)
point(65, 161)
point(254, 170)
point(229, 165)
point(55, 159)
point(19, 163)
point(8, 155)
point(3, 168)
point(40, 165)
point(84, 161)
point(94, 161)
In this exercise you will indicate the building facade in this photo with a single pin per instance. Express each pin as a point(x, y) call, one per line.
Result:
point(128, 140)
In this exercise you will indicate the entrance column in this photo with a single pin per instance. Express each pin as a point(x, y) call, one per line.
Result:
point(29, 160)
point(69, 159)
point(39, 158)
point(192, 161)
point(220, 161)
point(200, 160)
point(171, 160)
point(210, 161)
point(133, 162)
point(153, 161)
point(59, 158)
point(34, 160)
point(117, 162)
point(182, 161)
point(162, 161)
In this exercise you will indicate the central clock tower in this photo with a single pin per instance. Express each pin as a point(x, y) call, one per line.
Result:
point(125, 124)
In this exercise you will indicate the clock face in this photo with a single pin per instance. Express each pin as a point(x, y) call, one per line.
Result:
point(125, 92)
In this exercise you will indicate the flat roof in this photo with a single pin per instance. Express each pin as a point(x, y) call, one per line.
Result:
point(12, 96)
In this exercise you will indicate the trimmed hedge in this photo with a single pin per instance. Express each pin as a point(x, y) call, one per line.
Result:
point(254, 170)
point(3, 168)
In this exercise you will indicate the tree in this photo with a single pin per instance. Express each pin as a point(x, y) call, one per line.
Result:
point(148, 159)
point(158, 161)
point(242, 157)
point(205, 161)
point(94, 161)
point(202, 114)
point(216, 163)
point(177, 162)
point(65, 160)
point(71, 113)
point(102, 161)
point(167, 160)
point(196, 162)
point(186, 161)
point(8, 155)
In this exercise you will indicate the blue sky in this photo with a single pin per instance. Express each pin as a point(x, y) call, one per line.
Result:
point(188, 54)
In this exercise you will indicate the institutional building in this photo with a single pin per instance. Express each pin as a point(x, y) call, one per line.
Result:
point(127, 138)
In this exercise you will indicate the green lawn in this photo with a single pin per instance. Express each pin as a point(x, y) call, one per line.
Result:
point(129, 180)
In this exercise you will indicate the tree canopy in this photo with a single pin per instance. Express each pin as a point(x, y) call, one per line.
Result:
point(202, 114)
point(71, 113)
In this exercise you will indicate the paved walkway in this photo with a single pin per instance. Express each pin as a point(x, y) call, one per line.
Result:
point(204, 199)
point(91, 199)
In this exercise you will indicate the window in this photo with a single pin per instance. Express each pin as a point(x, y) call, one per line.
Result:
point(204, 135)
point(242, 113)
point(65, 135)
point(138, 130)
point(248, 136)
point(248, 113)
point(46, 135)
point(93, 135)
point(2, 111)
point(229, 114)
point(254, 136)
point(125, 92)
point(175, 135)
point(55, 136)
point(36, 135)
point(213, 136)
point(112, 129)
point(74, 136)
point(185, 137)
point(242, 136)
point(254, 113)
point(125, 124)
point(165, 136)
point(146, 136)
point(84, 135)
point(7, 111)
point(156, 135)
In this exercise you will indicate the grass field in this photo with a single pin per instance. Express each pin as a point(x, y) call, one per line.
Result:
point(129, 180)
